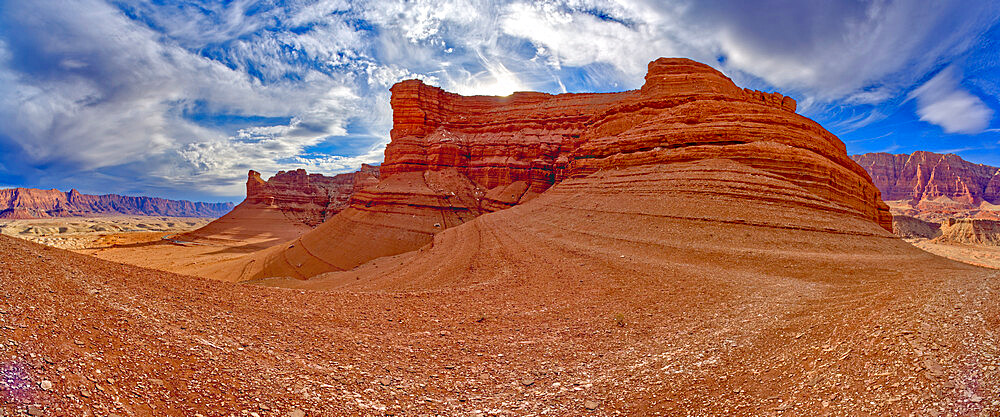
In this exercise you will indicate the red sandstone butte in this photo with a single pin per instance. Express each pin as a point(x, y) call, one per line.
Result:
point(453, 158)
point(309, 198)
point(284, 206)
point(32, 203)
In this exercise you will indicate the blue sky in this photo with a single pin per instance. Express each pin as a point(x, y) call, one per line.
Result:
point(180, 98)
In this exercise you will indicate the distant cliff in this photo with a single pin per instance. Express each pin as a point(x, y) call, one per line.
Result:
point(30, 203)
point(933, 186)
point(927, 176)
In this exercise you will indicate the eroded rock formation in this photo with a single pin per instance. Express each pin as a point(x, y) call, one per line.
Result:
point(934, 186)
point(309, 198)
point(926, 176)
point(970, 231)
point(284, 207)
point(913, 228)
point(453, 158)
point(32, 203)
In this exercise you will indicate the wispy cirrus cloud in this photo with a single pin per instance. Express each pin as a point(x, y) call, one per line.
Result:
point(943, 102)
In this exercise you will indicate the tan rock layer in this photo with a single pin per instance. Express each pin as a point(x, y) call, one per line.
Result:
point(970, 231)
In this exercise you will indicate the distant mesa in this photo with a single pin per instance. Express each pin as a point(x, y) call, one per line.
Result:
point(689, 145)
point(32, 203)
point(934, 186)
point(970, 232)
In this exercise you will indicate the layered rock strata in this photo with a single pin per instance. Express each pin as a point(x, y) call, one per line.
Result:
point(970, 232)
point(922, 178)
point(453, 158)
point(309, 198)
point(283, 207)
point(32, 203)
point(908, 227)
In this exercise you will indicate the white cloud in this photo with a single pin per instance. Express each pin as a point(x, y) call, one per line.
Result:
point(875, 96)
point(827, 51)
point(943, 102)
point(569, 34)
point(197, 24)
point(122, 94)
point(860, 120)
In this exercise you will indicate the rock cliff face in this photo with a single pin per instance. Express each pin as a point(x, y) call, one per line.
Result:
point(926, 176)
point(453, 158)
point(31, 203)
point(283, 207)
point(309, 198)
point(934, 186)
point(908, 227)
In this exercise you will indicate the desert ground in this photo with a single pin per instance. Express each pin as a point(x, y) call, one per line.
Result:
point(92, 233)
point(232, 236)
point(159, 242)
point(980, 255)
point(571, 304)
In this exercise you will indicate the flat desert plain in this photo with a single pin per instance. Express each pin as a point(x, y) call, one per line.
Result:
point(91, 233)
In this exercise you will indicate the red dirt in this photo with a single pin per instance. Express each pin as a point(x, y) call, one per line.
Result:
point(606, 288)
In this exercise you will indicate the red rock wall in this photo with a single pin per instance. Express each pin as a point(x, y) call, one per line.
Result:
point(922, 177)
point(27, 203)
point(309, 198)
point(495, 141)
point(684, 111)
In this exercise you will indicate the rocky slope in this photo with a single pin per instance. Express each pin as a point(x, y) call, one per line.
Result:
point(934, 186)
point(913, 228)
point(453, 158)
point(31, 203)
point(586, 308)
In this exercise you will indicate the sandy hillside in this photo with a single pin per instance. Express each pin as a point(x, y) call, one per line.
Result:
point(248, 228)
point(980, 255)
